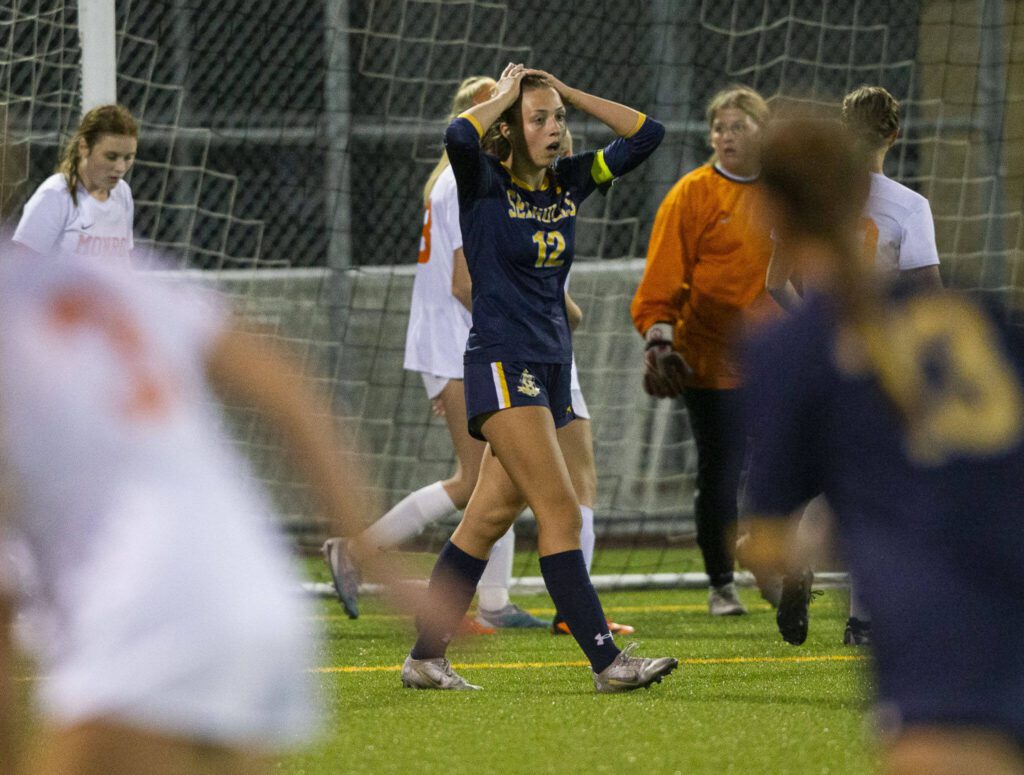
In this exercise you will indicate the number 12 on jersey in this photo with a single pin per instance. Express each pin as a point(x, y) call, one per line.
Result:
point(549, 239)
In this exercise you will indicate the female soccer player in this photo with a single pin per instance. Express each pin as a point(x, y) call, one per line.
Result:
point(518, 222)
point(439, 323)
point(704, 280)
point(905, 407)
point(897, 226)
point(897, 237)
point(86, 207)
point(178, 643)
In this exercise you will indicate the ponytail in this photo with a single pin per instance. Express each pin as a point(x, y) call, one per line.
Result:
point(466, 96)
point(104, 120)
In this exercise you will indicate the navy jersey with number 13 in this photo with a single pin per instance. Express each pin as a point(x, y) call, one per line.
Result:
point(519, 242)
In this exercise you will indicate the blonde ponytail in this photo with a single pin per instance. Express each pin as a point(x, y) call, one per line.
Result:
point(466, 96)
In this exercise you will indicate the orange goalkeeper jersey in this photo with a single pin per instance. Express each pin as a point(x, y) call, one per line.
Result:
point(705, 273)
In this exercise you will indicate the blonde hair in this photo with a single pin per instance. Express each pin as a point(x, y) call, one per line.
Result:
point(466, 96)
point(104, 120)
point(872, 114)
point(742, 98)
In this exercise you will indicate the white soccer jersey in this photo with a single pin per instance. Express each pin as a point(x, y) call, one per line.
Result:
point(438, 323)
point(579, 405)
point(898, 224)
point(52, 224)
point(156, 559)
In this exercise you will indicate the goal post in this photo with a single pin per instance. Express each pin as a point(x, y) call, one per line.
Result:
point(96, 27)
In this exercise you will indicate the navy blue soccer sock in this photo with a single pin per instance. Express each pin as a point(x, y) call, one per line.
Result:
point(452, 585)
point(565, 575)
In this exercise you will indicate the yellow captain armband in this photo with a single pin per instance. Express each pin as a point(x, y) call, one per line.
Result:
point(599, 169)
point(472, 120)
point(640, 119)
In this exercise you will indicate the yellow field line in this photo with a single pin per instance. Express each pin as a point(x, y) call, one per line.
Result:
point(626, 609)
point(577, 663)
point(582, 663)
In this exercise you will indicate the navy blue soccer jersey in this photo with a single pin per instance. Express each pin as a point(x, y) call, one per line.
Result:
point(520, 242)
point(928, 500)
point(820, 427)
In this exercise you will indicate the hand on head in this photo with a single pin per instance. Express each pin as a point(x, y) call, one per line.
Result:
point(563, 91)
point(511, 78)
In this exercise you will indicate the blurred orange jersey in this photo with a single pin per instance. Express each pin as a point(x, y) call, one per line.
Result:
point(706, 266)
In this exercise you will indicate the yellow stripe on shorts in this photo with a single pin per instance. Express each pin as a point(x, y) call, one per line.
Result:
point(500, 385)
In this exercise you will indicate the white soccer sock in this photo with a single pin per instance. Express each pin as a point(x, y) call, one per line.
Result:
point(857, 609)
point(587, 535)
point(410, 515)
point(493, 586)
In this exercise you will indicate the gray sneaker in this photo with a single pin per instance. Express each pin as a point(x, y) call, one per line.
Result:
point(344, 574)
point(723, 601)
point(627, 672)
point(433, 674)
point(510, 617)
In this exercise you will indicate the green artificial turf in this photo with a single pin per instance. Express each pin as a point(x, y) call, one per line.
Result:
point(765, 711)
point(742, 701)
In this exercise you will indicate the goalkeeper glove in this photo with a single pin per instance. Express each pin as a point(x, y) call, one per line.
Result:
point(665, 370)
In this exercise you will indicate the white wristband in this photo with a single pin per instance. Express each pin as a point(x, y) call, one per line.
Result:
point(659, 333)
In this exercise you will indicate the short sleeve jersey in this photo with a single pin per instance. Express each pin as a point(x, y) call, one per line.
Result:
point(439, 325)
point(520, 242)
point(899, 230)
point(52, 224)
point(820, 423)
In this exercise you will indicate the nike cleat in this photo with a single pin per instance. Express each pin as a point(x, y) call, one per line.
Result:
point(470, 626)
point(559, 627)
point(510, 617)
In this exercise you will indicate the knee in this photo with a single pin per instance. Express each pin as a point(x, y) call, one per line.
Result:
point(564, 525)
point(459, 489)
point(461, 485)
point(492, 524)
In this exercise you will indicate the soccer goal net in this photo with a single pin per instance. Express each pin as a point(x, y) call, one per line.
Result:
point(284, 147)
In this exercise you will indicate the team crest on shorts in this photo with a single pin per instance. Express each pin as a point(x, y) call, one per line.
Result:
point(528, 385)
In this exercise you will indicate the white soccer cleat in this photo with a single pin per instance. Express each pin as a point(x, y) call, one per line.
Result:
point(433, 674)
point(627, 672)
point(723, 601)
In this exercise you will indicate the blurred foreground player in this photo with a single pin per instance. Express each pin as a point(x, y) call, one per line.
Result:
point(179, 643)
point(897, 234)
point(904, 407)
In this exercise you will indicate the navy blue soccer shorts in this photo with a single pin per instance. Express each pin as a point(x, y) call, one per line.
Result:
point(491, 387)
